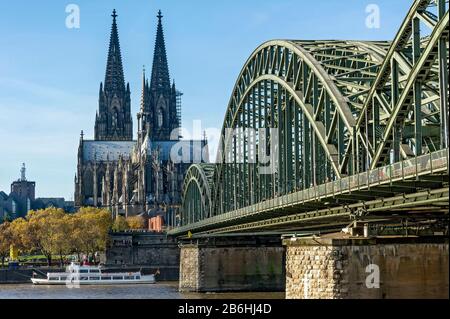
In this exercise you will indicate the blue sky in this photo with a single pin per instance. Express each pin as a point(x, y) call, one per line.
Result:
point(50, 75)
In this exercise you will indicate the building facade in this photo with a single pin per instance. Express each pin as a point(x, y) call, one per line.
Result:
point(8, 207)
point(22, 199)
point(144, 175)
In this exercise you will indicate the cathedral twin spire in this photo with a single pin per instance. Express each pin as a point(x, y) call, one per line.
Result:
point(113, 121)
point(160, 71)
point(114, 79)
point(159, 114)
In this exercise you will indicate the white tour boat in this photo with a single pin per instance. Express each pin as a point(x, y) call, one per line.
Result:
point(92, 275)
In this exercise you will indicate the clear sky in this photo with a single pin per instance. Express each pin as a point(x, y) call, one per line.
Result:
point(50, 75)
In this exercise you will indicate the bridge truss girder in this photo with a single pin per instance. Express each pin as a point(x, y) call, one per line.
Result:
point(338, 108)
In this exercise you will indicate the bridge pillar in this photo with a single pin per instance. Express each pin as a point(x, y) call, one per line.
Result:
point(326, 268)
point(232, 264)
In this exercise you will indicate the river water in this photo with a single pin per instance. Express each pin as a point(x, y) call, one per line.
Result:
point(161, 290)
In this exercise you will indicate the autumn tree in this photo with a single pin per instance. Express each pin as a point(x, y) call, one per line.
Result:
point(53, 232)
point(136, 222)
point(75, 235)
point(95, 225)
point(22, 238)
point(120, 224)
point(5, 240)
point(62, 238)
point(46, 228)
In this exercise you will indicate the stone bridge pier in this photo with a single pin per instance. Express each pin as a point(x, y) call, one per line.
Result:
point(330, 267)
point(238, 263)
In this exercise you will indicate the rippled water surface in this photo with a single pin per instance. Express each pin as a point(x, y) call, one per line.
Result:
point(162, 290)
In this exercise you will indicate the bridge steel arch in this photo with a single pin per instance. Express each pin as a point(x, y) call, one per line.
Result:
point(197, 187)
point(411, 89)
point(327, 110)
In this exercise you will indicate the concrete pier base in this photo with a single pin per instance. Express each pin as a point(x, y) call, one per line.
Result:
point(232, 264)
point(328, 268)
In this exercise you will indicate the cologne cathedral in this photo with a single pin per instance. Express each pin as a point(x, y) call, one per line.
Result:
point(142, 176)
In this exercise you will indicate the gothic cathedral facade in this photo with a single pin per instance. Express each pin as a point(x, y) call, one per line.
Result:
point(143, 175)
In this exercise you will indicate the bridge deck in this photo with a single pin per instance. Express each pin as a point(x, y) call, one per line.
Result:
point(412, 185)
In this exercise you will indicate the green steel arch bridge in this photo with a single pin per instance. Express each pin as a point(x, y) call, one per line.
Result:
point(319, 133)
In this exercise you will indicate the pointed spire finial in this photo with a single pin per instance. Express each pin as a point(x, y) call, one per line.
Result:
point(114, 78)
point(81, 135)
point(160, 69)
point(159, 16)
point(144, 87)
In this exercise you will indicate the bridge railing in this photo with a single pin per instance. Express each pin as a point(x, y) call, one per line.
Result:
point(435, 162)
point(425, 164)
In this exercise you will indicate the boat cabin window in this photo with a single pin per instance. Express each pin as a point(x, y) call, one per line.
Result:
point(54, 278)
point(129, 277)
point(63, 278)
point(94, 278)
point(84, 271)
point(96, 271)
point(117, 277)
point(106, 278)
point(138, 277)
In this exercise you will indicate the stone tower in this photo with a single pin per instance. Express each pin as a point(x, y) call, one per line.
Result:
point(113, 120)
point(158, 116)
